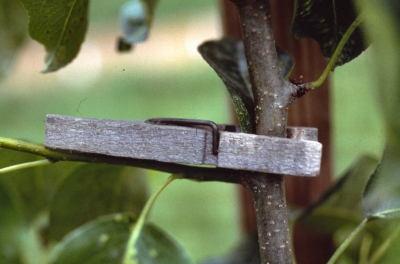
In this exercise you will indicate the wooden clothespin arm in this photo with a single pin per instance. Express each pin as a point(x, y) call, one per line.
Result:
point(298, 155)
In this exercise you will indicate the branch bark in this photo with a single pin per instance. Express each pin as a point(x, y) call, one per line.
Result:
point(272, 97)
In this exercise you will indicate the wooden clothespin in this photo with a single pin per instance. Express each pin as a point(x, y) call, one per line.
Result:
point(188, 141)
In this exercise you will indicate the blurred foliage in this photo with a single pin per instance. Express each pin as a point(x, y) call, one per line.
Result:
point(12, 33)
point(95, 190)
point(136, 17)
point(376, 210)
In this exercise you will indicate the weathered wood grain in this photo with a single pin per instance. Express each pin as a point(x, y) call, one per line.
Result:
point(140, 140)
point(269, 154)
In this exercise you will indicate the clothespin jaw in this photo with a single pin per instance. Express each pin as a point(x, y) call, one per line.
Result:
point(198, 142)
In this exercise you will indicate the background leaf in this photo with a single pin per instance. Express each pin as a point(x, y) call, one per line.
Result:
point(383, 28)
point(136, 17)
point(60, 26)
point(382, 195)
point(12, 32)
point(228, 59)
point(93, 190)
point(326, 22)
point(34, 187)
point(12, 225)
point(340, 210)
point(342, 203)
point(155, 246)
point(100, 241)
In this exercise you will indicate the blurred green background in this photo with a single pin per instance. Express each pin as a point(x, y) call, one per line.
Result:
point(165, 77)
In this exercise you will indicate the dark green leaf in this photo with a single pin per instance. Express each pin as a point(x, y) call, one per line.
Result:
point(342, 204)
point(136, 17)
point(155, 246)
point(60, 26)
point(12, 32)
point(382, 194)
point(326, 22)
point(100, 241)
point(228, 60)
point(93, 190)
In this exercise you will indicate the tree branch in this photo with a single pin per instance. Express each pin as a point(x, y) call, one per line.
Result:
point(188, 172)
point(272, 96)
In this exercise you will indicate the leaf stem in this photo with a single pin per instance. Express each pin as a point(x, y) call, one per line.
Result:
point(347, 241)
point(25, 165)
point(335, 55)
point(142, 219)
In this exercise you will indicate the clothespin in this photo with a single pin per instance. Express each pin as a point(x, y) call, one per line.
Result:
point(196, 142)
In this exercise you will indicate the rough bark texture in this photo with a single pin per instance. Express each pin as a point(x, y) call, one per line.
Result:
point(312, 110)
point(272, 97)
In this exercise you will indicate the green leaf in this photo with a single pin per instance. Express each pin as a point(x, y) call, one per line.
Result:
point(382, 194)
point(12, 33)
point(227, 58)
point(12, 225)
point(93, 190)
point(33, 186)
point(60, 26)
point(382, 27)
point(155, 246)
point(341, 205)
point(136, 17)
point(100, 241)
point(326, 22)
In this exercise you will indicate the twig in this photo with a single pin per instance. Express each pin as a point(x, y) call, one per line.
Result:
point(26, 165)
point(187, 172)
point(272, 96)
point(347, 241)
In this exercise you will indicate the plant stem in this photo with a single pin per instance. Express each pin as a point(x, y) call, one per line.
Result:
point(144, 215)
point(187, 172)
point(347, 241)
point(272, 97)
point(25, 165)
point(335, 55)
